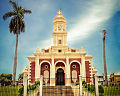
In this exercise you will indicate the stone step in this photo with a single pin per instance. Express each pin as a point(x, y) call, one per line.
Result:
point(56, 86)
point(65, 90)
point(57, 91)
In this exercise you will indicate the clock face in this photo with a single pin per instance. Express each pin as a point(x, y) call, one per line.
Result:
point(59, 27)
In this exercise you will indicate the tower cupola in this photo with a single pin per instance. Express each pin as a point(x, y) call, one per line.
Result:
point(59, 30)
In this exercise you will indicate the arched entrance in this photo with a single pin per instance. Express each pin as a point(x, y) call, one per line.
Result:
point(60, 77)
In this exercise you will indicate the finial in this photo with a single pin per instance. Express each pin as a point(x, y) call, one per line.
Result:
point(82, 50)
point(37, 50)
point(59, 12)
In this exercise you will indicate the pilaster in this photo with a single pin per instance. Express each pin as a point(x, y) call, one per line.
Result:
point(37, 68)
point(67, 72)
point(83, 67)
point(52, 73)
point(83, 54)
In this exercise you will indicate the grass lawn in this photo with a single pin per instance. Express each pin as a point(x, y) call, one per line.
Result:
point(9, 90)
point(108, 90)
point(111, 91)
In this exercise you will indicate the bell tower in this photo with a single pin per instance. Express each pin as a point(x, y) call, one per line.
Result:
point(59, 30)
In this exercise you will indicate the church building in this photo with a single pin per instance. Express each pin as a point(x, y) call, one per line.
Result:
point(59, 64)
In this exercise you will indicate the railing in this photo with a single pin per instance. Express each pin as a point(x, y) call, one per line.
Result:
point(82, 86)
point(10, 90)
point(109, 90)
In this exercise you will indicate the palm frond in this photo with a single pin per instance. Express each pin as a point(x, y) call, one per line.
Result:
point(16, 25)
point(27, 11)
point(13, 25)
point(9, 14)
point(23, 26)
point(14, 5)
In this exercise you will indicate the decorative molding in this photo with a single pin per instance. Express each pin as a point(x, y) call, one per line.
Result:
point(45, 61)
point(60, 60)
point(74, 60)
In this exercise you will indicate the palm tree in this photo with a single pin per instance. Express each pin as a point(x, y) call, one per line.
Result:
point(104, 58)
point(16, 26)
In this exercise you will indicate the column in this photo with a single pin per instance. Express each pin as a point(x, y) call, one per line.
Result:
point(25, 78)
point(67, 73)
point(41, 85)
point(80, 84)
point(52, 73)
point(96, 86)
point(37, 68)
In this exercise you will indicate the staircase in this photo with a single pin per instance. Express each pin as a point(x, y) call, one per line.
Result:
point(57, 91)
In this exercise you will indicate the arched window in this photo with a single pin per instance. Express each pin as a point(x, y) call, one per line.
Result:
point(60, 42)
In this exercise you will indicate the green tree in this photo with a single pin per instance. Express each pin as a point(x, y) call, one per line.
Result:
point(16, 26)
point(5, 79)
point(20, 77)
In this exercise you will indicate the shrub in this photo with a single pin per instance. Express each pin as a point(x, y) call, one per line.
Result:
point(92, 88)
point(77, 83)
point(37, 82)
point(20, 91)
point(5, 79)
point(85, 85)
point(101, 89)
point(88, 85)
point(43, 83)
point(83, 82)
point(31, 87)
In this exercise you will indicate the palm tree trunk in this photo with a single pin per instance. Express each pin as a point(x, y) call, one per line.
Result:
point(15, 61)
point(104, 58)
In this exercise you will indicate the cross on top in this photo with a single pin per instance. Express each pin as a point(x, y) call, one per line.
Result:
point(59, 12)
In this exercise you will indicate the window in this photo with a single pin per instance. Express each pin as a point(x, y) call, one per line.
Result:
point(60, 42)
point(46, 66)
point(59, 50)
point(74, 66)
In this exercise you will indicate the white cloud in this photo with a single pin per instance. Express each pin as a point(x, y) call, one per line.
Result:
point(98, 12)
point(45, 43)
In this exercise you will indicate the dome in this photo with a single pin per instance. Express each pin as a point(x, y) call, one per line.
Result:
point(59, 17)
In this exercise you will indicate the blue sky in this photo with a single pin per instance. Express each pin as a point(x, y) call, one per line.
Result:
point(85, 21)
